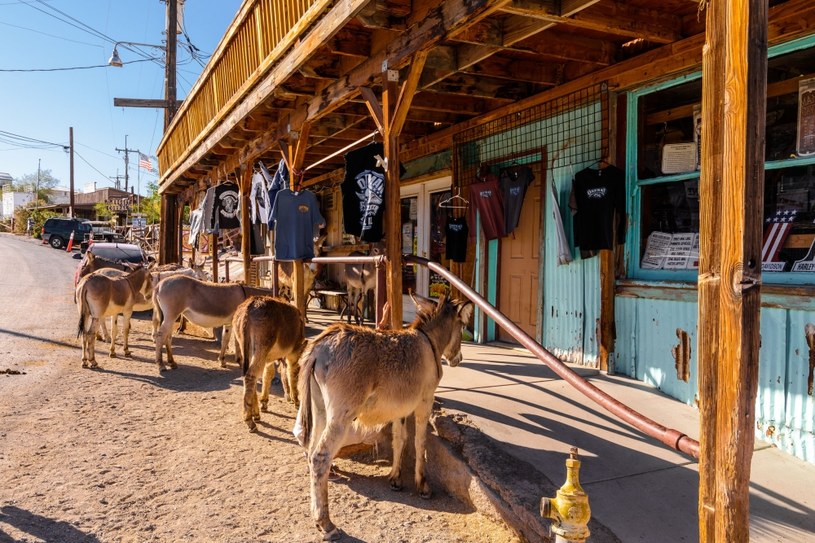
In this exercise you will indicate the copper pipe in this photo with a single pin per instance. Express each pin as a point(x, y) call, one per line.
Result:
point(670, 437)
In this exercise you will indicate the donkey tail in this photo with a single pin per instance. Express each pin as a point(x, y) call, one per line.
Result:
point(304, 386)
point(83, 311)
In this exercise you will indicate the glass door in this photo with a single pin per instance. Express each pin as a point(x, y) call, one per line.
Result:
point(423, 234)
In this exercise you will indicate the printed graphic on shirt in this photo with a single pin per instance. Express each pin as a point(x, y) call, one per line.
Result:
point(371, 195)
point(228, 204)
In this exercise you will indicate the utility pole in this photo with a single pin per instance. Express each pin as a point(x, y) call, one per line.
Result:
point(71, 189)
point(127, 152)
point(37, 190)
point(170, 61)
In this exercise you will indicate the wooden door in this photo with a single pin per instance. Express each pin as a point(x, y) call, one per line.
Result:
point(518, 265)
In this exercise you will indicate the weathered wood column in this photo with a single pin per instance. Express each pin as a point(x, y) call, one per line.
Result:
point(168, 251)
point(390, 118)
point(246, 220)
point(731, 210)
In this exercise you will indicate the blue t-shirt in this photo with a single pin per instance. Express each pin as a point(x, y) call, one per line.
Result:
point(298, 221)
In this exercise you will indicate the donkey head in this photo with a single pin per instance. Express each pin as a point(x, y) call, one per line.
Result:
point(448, 318)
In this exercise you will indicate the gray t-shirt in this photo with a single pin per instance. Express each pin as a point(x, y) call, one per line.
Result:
point(298, 221)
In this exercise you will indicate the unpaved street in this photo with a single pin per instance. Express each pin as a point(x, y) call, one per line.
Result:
point(124, 454)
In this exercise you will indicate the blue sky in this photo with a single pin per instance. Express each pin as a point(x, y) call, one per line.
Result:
point(43, 105)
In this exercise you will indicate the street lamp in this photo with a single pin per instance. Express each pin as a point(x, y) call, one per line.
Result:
point(116, 61)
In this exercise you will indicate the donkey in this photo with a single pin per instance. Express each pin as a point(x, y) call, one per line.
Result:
point(266, 329)
point(140, 303)
point(99, 297)
point(354, 379)
point(360, 278)
point(205, 304)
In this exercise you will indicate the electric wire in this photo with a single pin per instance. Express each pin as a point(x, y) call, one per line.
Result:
point(69, 68)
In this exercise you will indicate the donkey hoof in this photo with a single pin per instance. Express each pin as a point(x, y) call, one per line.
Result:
point(85, 364)
point(264, 407)
point(112, 354)
point(253, 428)
point(396, 486)
point(255, 418)
point(426, 494)
point(128, 354)
point(330, 532)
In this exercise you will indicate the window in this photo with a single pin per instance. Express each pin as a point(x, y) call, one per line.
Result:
point(664, 156)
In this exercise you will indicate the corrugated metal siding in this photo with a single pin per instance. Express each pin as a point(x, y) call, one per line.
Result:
point(646, 333)
point(785, 413)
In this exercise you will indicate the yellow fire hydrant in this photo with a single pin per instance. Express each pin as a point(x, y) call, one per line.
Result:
point(570, 509)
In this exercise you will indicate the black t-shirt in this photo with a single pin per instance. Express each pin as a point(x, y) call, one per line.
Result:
point(226, 206)
point(456, 231)
point(514, 182)
point(363, 193)
point(599, 198)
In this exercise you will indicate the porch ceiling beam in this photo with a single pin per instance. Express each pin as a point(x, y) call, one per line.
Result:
point(513, 69)
point(612, 17)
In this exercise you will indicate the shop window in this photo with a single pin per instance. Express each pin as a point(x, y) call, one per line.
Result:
point(666, 173)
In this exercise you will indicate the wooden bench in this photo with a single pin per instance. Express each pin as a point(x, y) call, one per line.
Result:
point(341, 295)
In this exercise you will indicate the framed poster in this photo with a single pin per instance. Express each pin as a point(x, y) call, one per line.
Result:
point(806, 117)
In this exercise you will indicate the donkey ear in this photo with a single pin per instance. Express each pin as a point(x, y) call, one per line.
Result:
point(465, 311)
point(423, 305)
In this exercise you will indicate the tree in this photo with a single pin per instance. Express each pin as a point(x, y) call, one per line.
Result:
point(151, 204)
point(42, 183)
point(102, 210)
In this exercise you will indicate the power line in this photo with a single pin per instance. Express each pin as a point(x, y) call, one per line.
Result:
point(47, 34)
point(91, 165)
point(70, 68)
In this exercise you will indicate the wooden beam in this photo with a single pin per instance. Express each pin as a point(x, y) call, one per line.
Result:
point(731, 196)
point(374, 107)
point(407, 91)
point(392, 222)
point(245, 186)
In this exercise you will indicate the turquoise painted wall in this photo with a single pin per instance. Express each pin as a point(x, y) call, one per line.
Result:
point(785, 413)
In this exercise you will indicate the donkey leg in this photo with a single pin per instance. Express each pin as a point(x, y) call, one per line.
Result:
point(164, 339)
point(269, 371)
point(225, 337)
point(422, 417)
point(292, 376)
point(114, 331)
point(250, 399)
point(91, 338)
point(320, 463)
point(126, 333)
point(399, 436)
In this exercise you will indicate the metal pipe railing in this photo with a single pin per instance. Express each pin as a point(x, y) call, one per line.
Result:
point(670, 437)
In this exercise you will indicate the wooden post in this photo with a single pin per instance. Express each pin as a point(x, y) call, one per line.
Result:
point(393, 204)
point(246, 220)
point(213, 251)
point(731, 208)
point(390, 118)
point(169, 225)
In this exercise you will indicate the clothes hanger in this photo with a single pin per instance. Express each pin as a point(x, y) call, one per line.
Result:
point(455, 201)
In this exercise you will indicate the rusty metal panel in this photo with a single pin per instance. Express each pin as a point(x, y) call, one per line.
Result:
point(772, 376)
point(646, 337)
point(570, 292)
point(797, 435)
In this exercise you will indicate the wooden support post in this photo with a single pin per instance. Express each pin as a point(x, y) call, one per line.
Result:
point(246, 221)
point(606, 330)
point(392, 222)
point(734, 68)
point(213, 251)
point(169, 219)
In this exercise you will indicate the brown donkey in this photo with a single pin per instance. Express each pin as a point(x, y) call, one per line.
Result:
point(99, 296)
point(354, 378)
point(205, 304)
point(266, 329)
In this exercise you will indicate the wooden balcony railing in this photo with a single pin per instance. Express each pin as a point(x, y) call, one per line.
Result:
point(258, 36)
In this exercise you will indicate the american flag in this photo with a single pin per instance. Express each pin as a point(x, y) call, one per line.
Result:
point(144, 162)
point(776, 232)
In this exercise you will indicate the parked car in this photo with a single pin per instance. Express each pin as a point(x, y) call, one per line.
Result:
point(100, 231)
point(57, 231)
point(115, 252)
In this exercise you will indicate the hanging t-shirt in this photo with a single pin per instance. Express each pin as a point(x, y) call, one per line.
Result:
point(456, 232)
point(298, 219)
point(363, 192)
point(196, 216)
point(208, 222)
point(276, 182)
point(486, 198)
point(259, 199)
point(514, 181)
point(226, 206)
point(599, 198)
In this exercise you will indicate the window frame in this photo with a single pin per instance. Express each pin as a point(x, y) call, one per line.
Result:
point(634, 184)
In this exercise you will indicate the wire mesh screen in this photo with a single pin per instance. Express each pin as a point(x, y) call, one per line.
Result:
point(573, 129)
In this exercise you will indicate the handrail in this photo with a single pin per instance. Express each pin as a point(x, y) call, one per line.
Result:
point(670, 437)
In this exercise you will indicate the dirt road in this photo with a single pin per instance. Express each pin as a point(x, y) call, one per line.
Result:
point(124, 454)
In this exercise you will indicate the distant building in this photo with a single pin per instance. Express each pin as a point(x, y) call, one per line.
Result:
point(59, 196)
point(12, 200)
point(5, 179)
